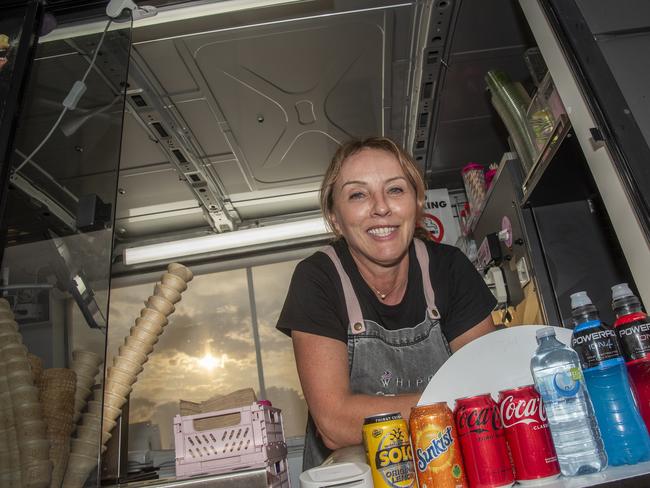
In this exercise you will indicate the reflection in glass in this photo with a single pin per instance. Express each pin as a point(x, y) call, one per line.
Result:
point(206, 350)
point(271, 283)
point(56, 261)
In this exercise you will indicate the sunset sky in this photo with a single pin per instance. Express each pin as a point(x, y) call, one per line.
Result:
point(208, 349)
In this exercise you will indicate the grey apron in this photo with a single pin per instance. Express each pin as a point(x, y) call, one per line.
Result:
point(382, 361)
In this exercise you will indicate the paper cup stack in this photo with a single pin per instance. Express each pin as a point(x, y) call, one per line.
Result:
point(57, 388)
point(23, 426)
point(86, 366)
point(121, 376)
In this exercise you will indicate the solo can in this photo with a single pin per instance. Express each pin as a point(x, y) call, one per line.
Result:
point(436, 448)
point(528, 434)
point(483, 442)
point(386, 440)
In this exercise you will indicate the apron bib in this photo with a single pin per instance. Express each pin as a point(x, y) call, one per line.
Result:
point(382, 361)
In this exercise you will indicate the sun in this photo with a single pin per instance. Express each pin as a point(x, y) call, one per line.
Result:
point(209, 362)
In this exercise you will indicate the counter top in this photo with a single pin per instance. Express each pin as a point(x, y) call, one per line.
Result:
point(253, 478)
point(614, 476)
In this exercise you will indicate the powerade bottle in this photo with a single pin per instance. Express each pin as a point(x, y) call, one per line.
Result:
point(632, 327)
point(559, 381)
point(624, 433)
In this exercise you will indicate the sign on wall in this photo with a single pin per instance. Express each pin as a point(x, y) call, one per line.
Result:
point(439, 216)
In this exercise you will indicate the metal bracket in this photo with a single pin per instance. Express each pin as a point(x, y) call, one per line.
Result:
point(56, 208)
point(157, 114)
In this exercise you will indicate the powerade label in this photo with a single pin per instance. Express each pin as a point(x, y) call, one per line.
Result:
point(595, 343)
point(634, 339)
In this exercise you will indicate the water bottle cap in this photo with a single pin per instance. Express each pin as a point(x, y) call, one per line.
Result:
point(621, 290)
point(580, 299)
point(544, 332)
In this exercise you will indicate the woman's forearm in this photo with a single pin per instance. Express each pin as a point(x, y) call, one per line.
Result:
point(341, 426)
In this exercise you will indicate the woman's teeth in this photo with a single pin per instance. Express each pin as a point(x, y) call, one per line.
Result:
point(381, 231)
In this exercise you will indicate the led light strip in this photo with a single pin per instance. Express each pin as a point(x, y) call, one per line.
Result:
point(229, 240)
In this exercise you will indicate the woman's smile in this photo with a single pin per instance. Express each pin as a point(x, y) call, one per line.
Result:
point(382, 232)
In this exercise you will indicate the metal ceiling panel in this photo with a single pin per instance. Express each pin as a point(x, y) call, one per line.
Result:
point(284, 96)
point(266, 105)
point(138, 149)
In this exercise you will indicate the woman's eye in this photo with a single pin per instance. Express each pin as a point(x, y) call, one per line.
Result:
point(396, 190)
point(356, 195)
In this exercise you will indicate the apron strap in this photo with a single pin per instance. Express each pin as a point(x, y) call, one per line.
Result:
point(423, 260)
point(355, 316)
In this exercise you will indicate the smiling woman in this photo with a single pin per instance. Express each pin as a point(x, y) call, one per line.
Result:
point(375, 315)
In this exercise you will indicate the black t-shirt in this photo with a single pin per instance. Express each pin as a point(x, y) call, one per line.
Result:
point(315, 301)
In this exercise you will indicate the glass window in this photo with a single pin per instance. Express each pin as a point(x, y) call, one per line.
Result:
point(271, 283)
point(209, 348)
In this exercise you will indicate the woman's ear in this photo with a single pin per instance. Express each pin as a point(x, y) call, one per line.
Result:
point(335, 223)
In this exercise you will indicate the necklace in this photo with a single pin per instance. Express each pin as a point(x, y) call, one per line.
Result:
point(382, 296)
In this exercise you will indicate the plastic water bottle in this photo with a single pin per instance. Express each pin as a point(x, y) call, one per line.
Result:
point(632, 328)
point(559, 381)
point(624, 433)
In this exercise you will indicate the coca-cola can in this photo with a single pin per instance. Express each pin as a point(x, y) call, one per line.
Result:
point(528, 434)
point(483, 442)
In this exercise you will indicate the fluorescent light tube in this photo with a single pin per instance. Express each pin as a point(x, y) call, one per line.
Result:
point(228, 240)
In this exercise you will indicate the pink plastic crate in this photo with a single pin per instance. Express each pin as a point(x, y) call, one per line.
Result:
point(256, 442)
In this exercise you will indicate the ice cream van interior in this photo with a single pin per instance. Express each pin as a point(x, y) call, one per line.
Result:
point(198, 132)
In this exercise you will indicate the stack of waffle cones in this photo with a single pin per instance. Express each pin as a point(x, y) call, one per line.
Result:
point(57, 386)
point(121, 376)
point(86, 366)
point(24, 447)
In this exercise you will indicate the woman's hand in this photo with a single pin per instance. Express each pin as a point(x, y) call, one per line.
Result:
point(338, 413)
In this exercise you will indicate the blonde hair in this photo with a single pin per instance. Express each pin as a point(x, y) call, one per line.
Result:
point(350, 148)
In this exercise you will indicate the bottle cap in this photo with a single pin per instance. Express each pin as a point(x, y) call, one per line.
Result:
point(580, 299)
point(544, 332)
point(621, 290)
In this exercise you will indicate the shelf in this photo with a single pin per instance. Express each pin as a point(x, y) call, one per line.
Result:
point(561, 173)
point(615, 476)
point(560, 133)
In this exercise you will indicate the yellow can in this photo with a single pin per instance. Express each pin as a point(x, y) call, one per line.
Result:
point(386, 439)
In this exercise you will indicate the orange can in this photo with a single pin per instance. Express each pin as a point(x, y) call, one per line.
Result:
point(436, 450)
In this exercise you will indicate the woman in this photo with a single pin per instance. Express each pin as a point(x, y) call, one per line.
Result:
point(375, 315)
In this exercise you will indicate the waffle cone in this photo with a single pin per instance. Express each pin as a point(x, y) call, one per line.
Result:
point(59, 454)
point(87, 357)
point(36, 365)
point(181, 271)
point(174, 281)
point(161, 304)
point(167, 292)
point(154, 316)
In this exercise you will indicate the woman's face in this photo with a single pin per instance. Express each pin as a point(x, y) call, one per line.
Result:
point(374, 207)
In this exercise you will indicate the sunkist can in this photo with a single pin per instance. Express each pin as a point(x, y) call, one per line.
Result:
point(436, 450)
point(386, 439)
point(528, 434)
point(483, 442)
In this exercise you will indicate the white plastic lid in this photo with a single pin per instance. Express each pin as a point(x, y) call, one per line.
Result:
point(621, 290)
point(544, 332)
point(580, 299)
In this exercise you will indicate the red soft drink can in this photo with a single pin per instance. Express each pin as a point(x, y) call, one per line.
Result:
point(483, 442)
point(528, 434)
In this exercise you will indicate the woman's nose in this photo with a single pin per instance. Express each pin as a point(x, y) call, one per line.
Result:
point(380, 205)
